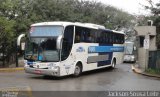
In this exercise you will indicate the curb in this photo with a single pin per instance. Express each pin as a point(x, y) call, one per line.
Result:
point(137, 70)
point(2, 70)
point(142, 72)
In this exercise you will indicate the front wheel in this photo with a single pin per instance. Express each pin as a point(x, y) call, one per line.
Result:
point(78, 70)
point(113, 63)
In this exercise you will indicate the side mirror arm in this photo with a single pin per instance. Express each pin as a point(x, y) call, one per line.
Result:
point(19, 39)
point(59, 42)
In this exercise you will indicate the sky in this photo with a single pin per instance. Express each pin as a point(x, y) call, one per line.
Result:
point(131, 6)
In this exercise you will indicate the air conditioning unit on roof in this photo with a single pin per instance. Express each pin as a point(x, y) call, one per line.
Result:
point(95, 25)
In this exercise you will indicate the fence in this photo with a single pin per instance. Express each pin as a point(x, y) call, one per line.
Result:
point(154, 59)
point(7, 54)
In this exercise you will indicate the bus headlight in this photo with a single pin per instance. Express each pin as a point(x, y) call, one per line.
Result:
point(50, 65)
point(53, 66)
point(132, 57)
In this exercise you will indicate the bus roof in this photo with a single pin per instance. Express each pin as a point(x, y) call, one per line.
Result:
point(52, 23)
point(118, 32)
point(113, 31)
point(88, 25)
point(129, 42)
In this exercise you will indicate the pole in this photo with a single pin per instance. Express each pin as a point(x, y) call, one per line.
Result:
point(3, 52)
point(147, 50)
point(16, 51)
point(146, 60)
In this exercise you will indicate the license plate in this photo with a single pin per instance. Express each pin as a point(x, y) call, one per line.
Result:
point(37, 71)
point(40, 66)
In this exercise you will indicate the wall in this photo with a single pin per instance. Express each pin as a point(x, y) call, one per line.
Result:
point(148, 32)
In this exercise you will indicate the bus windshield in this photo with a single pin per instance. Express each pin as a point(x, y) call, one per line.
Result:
point(129, 48)
point(41, 44)
point(42, 49)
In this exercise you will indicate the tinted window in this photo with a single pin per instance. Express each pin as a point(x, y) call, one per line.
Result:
point(97, 36)
point(67, 42)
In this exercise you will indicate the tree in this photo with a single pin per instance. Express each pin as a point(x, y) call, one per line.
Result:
point(20, 14)
point(6, 38)
point(155, 10)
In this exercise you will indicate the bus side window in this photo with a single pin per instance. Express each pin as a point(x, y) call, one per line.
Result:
point(80, 32)
point(105, 35)
point(77, 38)
point(82, 35)
point(114, 37)
point(123, 39)
point(109, 38)
point(117, 38)
point(78, 35)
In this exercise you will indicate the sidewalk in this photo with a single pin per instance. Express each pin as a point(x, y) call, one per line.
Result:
point(3, 70)
point(13, 68)
point(138, 70)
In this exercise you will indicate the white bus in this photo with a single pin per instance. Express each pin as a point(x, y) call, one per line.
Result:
point(65, 48)
point(129, 52)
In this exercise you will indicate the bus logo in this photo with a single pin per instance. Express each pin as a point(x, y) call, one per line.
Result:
point(80, 49)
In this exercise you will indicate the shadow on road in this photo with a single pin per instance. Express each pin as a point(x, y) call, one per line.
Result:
point(87, 73)
point(98, 71)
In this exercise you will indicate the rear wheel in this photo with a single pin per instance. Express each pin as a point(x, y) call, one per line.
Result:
point(78, 70)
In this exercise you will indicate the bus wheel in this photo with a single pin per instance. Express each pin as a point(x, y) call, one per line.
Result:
point(113, 63)
point(78, 70)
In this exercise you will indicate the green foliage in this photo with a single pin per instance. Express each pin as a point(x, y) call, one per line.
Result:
point(26, 12)
point(6, 30)
point(6, 37)
point(153, 71)
point(155, 10)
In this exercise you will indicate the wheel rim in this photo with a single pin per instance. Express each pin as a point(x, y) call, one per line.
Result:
point(77, 70)
point(113, 64)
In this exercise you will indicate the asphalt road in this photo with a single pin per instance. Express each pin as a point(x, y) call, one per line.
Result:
point(120, 79)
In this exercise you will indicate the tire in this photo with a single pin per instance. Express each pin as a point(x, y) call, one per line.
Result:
point(78, 70)
point(113, 63)
point(134, 61)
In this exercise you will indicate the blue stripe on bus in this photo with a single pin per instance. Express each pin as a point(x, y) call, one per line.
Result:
point(107, 61)
point(104, 49)
point(103, 63)
point(29, 63)
point(98, 49)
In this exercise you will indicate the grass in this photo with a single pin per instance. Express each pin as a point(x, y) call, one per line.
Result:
point(153, 71)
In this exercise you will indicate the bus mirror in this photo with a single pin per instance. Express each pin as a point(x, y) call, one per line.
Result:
point(19, 39)
point(134, 48)
point(20, 42)
point(59, 42)
point(23, 46)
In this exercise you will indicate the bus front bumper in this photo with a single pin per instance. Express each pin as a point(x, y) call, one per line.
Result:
point(38, 71)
